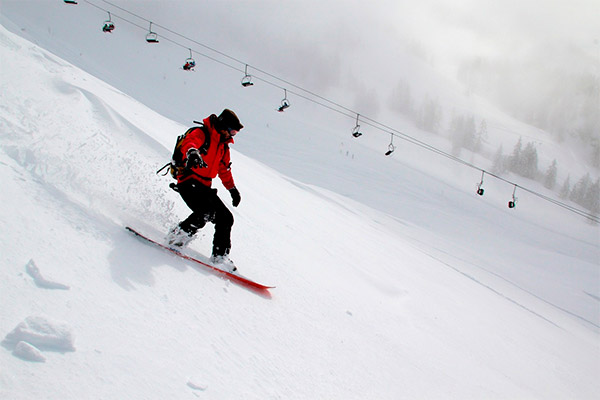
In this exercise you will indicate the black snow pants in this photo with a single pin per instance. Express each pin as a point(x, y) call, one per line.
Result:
point(207, 207)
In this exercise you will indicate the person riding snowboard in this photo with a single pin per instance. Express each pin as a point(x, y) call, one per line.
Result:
point(206, 155)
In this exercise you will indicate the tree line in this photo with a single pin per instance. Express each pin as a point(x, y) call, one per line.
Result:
point(468, 133)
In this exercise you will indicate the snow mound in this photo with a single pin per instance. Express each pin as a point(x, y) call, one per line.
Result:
point(33, 271)
point(42, 332)
point(197, 384)
point(28, 352)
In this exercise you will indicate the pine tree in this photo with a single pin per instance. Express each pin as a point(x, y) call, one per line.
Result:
point(529, 161)
point(499, 165)
point(591, 198)
point(515, 159)
point(430, 115)
point(566, 188)
point(524, 161)
point(469, 132)
point(580, 189)
point(464, 134)
point(550, 178)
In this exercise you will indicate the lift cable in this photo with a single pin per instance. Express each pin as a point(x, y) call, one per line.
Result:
point(325, 102)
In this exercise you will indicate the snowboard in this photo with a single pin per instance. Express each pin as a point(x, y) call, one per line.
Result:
point(233, 277)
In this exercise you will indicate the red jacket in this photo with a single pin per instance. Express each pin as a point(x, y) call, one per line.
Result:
point(217, 156)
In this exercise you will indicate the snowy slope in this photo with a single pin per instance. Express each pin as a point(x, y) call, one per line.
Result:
point(443, 296)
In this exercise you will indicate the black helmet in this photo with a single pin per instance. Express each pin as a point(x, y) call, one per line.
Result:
point(228, 120)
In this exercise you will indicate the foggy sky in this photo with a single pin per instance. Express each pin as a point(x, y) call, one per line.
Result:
point(448, 29)
point(360, 46)
point(354, 44)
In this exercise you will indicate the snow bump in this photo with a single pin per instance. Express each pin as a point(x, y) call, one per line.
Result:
point(42, 333)
point(28, 352)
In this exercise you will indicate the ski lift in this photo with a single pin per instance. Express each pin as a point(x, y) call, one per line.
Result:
point(479, 188)
point(190, 63)
point(108, 25)
point(356, 131)
point(247, 79)
point(285, 103)
point(151, 37)
point(391, 146)
point(70, 2)
point(513, 202)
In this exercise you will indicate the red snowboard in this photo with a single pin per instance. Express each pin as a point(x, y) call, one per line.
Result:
point(227, 275)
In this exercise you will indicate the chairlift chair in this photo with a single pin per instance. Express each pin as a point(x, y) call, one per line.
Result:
point(479, 188)
point(247, 79)
point(151, 37)
point(108, 26)
point(356, 130)
point(284, 103)
point(391, 149)
point(513, 202)
point(70, 2)
point(391, 146)
point(190, 63)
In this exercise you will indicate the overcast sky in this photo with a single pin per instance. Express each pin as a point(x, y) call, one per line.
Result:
point(329, 44)
point(447, 28)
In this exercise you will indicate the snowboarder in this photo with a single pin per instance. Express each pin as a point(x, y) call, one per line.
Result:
point(202, 164)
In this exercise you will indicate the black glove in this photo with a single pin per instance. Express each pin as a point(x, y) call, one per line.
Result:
point(235, 196)
point(194, 159)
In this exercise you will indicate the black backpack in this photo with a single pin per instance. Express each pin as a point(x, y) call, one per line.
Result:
point(177, 164)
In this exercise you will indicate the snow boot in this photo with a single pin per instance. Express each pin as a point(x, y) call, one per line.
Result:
point(177, 237)
point(224, 263)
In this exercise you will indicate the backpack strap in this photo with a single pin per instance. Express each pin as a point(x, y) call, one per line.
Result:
point(204, 148)
point(163, 167)
point(177, 157)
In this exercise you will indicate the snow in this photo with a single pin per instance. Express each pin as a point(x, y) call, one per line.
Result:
point(33, 271)
point(393, 278)
point(40, 331)
point(28, 352)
